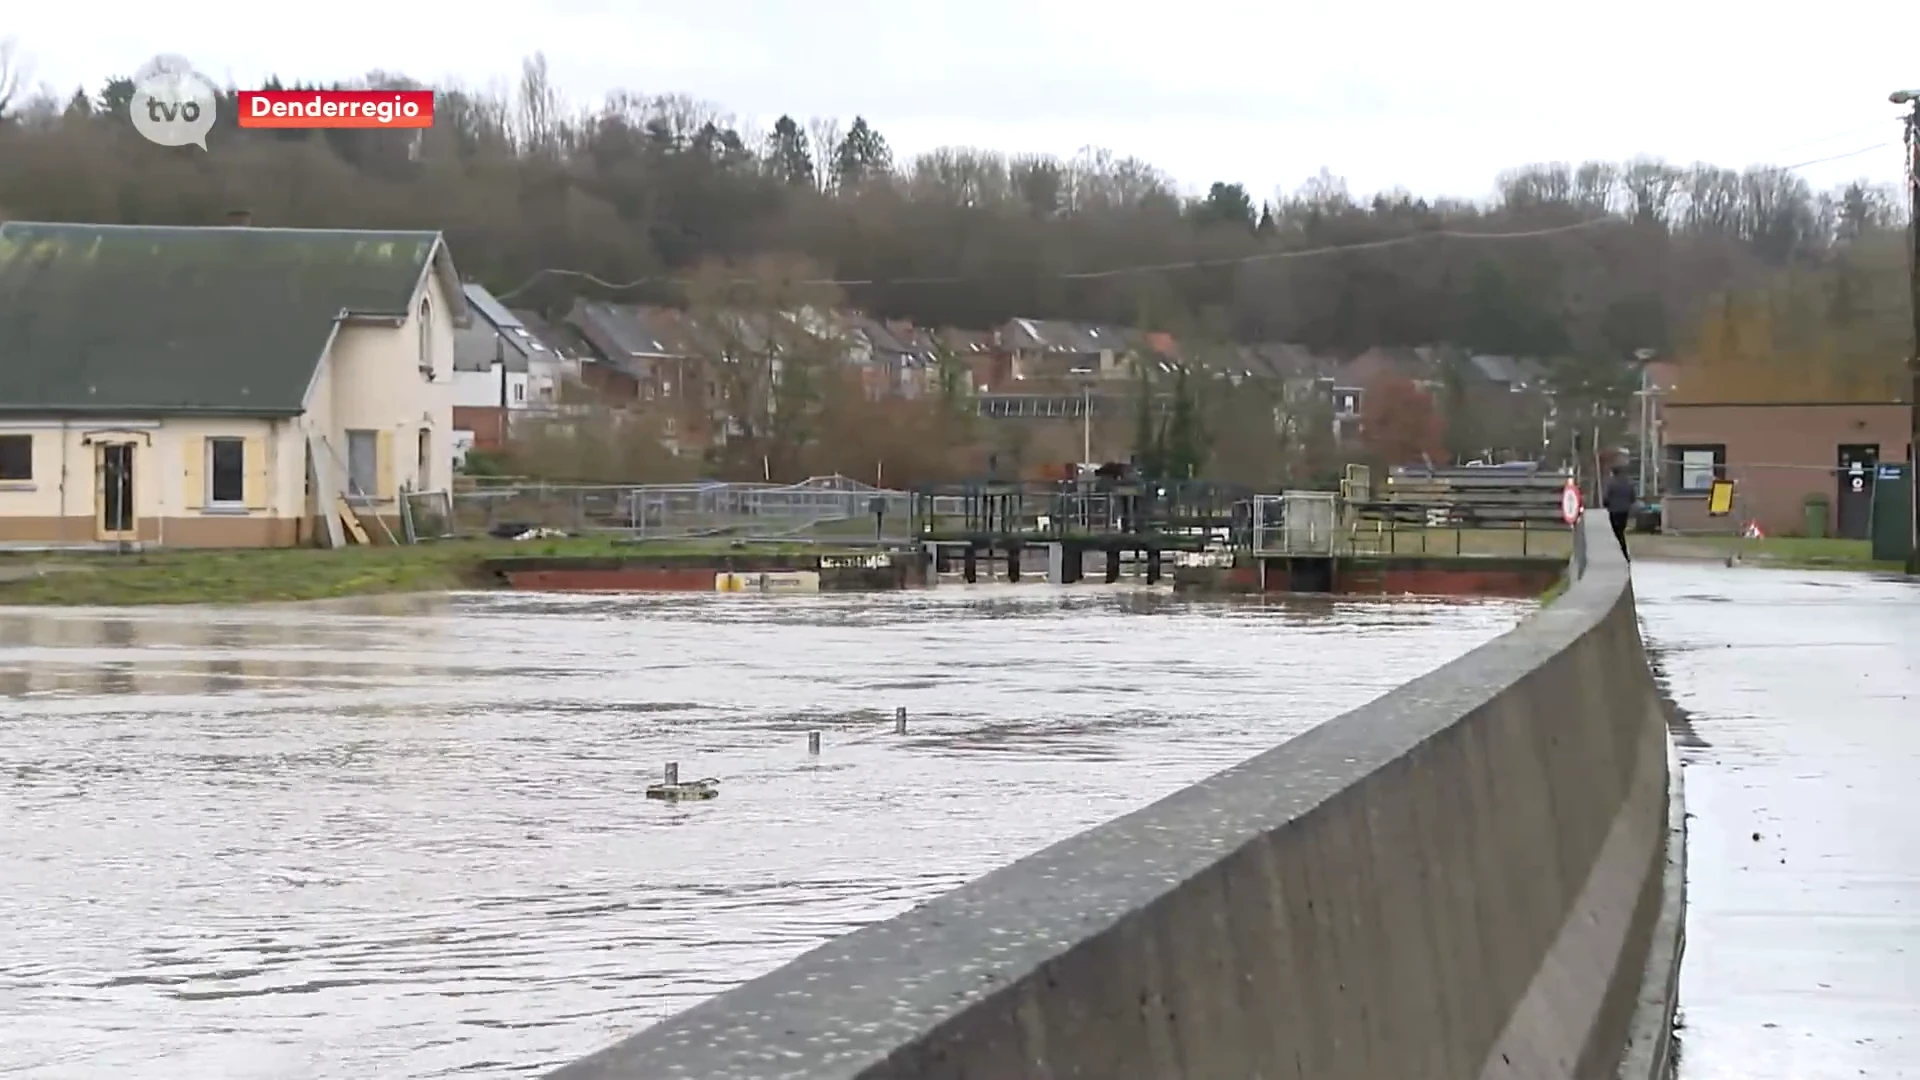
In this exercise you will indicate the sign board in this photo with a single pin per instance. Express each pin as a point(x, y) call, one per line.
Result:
point(779, 581)
point(1570, 503)
point(1720, 498)
point(1891, 520)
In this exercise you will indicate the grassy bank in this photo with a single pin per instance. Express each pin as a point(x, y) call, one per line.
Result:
point(1785, 552)
point(290, 574)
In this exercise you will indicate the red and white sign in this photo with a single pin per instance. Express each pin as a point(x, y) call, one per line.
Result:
point(1570, 503)
point(400, 109)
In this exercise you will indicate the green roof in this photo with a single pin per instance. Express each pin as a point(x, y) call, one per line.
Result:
point(116, 319)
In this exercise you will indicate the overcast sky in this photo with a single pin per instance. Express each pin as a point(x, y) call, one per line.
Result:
point(1436, 98)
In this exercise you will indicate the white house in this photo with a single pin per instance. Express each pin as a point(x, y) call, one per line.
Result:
point(219, 387)
point(501, 368)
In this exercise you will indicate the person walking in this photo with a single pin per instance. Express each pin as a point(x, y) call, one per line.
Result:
point(1619, 500)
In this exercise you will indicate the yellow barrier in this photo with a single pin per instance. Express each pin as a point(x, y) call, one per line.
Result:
point(784, 581)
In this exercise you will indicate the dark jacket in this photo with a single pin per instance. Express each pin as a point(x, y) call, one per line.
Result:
point(1619, 498)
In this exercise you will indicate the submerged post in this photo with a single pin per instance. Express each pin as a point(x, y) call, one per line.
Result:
point(813, 742)
point(900, 720)
point(671, 774)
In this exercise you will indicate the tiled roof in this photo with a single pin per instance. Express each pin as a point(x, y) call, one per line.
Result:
point(486, 307)
point(560, 339)
point(141, 318)
point(628, 330)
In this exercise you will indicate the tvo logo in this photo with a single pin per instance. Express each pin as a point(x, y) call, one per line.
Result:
point(172, 104)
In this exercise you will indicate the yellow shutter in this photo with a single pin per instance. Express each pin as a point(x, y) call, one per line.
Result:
point(193, 471)
point(259, 478)
point(383, 465)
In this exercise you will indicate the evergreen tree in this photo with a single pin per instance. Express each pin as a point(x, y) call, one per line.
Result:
point(862, 155)
point(787, 155)
point(1148, 454)
point(1183, 450)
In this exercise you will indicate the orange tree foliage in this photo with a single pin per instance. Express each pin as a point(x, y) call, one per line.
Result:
point(1399, 423)
point(1836, 332)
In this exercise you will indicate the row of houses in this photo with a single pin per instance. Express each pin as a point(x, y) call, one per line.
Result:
point(668, 359)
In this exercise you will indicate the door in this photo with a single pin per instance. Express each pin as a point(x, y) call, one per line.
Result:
point(113, 517)
point(1853, 506)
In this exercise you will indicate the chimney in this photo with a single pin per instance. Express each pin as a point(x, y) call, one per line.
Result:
point(240, 218)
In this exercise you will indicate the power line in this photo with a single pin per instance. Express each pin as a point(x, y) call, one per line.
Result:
point(1839, 157)
point(1879, 126)
point(1094, 275)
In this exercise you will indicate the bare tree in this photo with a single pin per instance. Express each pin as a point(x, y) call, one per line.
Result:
point(538, 107)
point(772, 351)
point(14, 71)
point(824, 136)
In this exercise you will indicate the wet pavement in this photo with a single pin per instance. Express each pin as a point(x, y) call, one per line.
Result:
point(409, 839)
point(1799, 733)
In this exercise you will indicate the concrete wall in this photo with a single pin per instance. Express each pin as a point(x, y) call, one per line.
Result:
point(1462, 879)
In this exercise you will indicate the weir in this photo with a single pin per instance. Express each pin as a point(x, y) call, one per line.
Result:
point(1477, 875)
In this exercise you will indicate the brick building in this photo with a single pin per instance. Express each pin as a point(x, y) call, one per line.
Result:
point(1778, 454)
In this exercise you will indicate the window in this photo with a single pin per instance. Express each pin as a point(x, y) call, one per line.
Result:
point(1346, 402)
point(1693, 469)
point(16, 457)
point(226, 472)
point(426, 337)
point(363, 463)
point(519, 391)
point(424, 477)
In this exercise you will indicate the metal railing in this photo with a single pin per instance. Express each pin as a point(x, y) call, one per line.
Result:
point(1295, 523)
point(822, 507)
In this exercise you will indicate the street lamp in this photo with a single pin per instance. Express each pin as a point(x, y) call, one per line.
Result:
point(1648, 473)
point(1912, 123)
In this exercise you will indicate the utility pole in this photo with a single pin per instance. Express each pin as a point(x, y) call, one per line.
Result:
point(1648, 466)
point(1086, 424)
point(1912, 142)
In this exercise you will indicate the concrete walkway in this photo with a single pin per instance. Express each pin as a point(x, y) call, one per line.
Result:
point(1800, 736)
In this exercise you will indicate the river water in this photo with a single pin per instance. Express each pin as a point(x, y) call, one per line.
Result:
point(408, 838)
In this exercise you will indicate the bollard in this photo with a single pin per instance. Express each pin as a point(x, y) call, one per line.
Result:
point(672, 774)
point(900, 720)
point(813, 742)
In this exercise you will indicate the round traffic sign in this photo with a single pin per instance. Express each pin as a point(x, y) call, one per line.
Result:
point(1570, 504)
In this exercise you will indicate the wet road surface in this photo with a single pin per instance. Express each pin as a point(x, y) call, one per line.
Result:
point(328, 842)
point(1800, 739)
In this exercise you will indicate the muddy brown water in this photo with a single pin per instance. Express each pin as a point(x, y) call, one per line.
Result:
point(408, 839)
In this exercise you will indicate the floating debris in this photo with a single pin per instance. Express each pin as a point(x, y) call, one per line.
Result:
point(671, 789)
point(708, 788)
